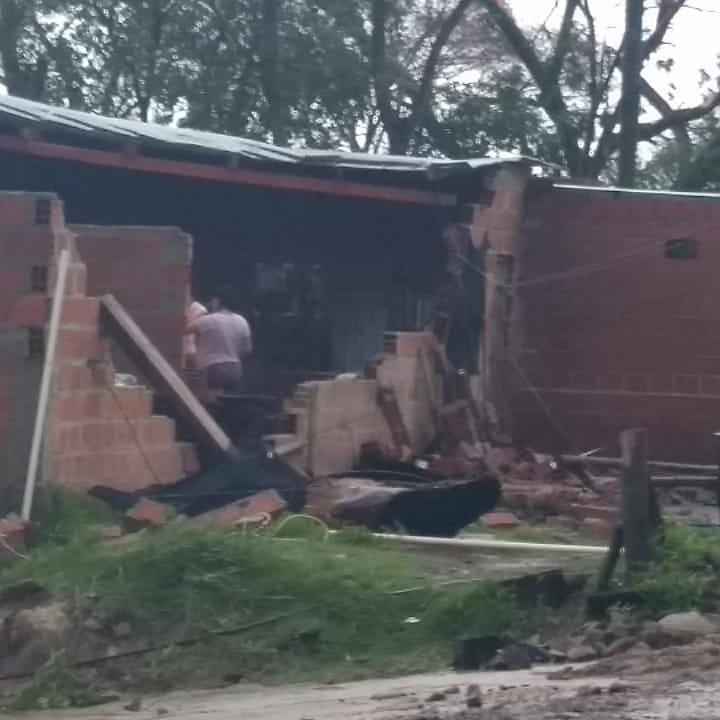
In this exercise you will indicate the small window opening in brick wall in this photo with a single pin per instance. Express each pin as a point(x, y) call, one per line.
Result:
point(39, 279)
point(36, 343)
point(681, 249)
point(42, 211)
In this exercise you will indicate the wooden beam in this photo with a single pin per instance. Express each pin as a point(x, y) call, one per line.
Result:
point(654, 464)
point(225, 174)
point(390, 409)
point(138, 347)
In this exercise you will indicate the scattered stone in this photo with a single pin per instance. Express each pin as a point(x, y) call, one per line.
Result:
point(581, 653)
point(618, 688)
point(163, 711)
point(31, 636)
point(454, 690)
point(150, 512)
point(516, 656)
point(692, 623)
point(93, 625)
point(501, 521)
point(437, 697)
point(122, 630)
point(621, 645)
point(589, 691)
point(135, 705)
point(473, 696)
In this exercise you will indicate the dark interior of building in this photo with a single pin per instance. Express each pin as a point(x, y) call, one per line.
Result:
point(321, 278)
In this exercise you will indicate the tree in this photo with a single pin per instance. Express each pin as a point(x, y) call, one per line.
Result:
point(632, 62)
point(586, 118)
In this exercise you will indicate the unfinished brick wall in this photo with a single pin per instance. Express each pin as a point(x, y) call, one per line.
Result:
point(97, 433)
point(30, 224)
point(148, 270)
point(335, 418)
point(616, 334)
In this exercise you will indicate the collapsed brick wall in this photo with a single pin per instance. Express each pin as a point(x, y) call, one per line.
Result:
point(96, 433)
point(335, 418)
point(615, 333)
point(148, 270)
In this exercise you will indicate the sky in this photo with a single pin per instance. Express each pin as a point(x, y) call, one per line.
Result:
point(694, 39)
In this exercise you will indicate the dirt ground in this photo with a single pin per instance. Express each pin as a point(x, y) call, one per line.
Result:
point(673, 684)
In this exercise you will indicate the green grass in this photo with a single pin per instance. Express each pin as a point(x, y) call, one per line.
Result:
point(536, 534)
point(684, 574)
point(326, 607)
point(63, 517)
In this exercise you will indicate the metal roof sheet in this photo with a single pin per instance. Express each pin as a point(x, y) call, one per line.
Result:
point(28, 113)
point(611, 189)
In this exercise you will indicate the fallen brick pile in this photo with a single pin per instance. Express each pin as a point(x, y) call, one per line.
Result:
point(536, 490)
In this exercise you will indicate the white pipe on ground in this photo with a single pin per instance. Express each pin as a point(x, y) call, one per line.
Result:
point(480, 543)
point(45, 384)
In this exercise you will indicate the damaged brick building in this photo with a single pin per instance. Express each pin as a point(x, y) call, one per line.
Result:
point(597, 306)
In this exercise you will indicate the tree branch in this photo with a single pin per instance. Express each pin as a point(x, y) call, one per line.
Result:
point(667, 10)
point(562, 45)
point(682, 136)
point(378, 66)
point(423, 95)
point(672, 118)
point(594, 81)
point(515, 37)
point(551, 97)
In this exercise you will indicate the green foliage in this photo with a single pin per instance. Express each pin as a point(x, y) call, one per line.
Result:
point(270, 609)
point(684, 574)
point(54, 687)
point(64, 517)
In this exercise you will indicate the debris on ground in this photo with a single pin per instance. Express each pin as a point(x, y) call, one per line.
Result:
point(438, 509)
point(691, 623)
point(490, 652)
point(232, 482)
point(14, 534)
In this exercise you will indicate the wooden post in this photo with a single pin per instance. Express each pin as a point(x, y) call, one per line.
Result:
point(500, 269)
point(611, 560)
point(635, 499)
point(717, 455)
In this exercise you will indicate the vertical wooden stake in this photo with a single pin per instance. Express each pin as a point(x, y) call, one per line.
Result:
point(496, 367)
point(635, 499)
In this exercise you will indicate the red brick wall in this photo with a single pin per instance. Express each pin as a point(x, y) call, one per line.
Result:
point(29, 224)
point(148, 270)
point(614, 334)
point(98, 434)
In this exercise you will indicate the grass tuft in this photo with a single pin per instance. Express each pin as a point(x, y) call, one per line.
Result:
point(684, 574)
point(310, 609)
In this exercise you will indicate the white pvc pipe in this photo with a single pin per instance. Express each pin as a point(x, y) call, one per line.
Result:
point(44, 395)
point(467, 542)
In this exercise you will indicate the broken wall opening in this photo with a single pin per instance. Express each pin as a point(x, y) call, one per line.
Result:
point(379, 262)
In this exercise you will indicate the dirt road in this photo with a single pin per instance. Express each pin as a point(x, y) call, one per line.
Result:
point(526, 695)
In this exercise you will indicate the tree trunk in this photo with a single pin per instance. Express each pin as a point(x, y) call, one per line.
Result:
point(271, 71)
point(631, 83)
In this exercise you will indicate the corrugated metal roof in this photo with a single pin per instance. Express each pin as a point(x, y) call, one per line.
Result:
point(27, 113)
point(611, 189)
